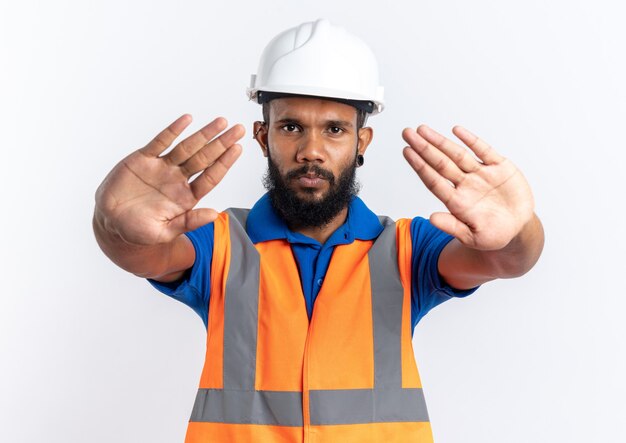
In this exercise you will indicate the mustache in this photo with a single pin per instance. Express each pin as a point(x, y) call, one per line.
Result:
point(312, 169)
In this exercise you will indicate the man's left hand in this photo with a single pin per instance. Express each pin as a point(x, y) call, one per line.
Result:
point(489, 199)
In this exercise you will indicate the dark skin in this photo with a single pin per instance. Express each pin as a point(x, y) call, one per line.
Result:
point(146, 203)
point(312, 131)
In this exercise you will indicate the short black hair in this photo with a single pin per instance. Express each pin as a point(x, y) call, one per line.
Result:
point(361, 115)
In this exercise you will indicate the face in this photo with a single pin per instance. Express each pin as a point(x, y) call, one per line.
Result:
point(311, 145)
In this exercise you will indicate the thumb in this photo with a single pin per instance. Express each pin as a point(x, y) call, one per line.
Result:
point(192, 220)
point(451, 225)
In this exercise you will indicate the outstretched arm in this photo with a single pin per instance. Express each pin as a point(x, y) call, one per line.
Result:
point(147, 201)
point(497, 234)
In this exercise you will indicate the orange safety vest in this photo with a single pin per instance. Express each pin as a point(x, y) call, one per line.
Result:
point(348, 375)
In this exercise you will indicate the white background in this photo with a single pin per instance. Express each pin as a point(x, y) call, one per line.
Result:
point(91, 353)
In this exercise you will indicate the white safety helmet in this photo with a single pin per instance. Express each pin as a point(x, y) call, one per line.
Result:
point(322, 60)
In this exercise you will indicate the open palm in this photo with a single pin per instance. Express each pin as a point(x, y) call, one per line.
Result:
point(488, 197)
point(148, 198)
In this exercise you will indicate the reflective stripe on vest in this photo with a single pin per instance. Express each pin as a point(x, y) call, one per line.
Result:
point(239, 402)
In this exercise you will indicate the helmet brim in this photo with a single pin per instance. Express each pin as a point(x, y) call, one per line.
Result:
point(363, 105)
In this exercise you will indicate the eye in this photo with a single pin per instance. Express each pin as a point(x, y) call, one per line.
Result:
point(290, 127)
point(335, 130)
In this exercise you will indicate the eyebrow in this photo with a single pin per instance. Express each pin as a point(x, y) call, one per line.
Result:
point(284, 121)
point(340, 123)
point(291, 120)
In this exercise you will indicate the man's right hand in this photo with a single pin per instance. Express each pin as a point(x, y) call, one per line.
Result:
point(148, 200)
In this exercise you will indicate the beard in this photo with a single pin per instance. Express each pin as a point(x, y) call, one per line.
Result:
point(306, 213)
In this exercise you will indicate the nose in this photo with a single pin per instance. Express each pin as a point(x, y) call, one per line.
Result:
point(311, 149)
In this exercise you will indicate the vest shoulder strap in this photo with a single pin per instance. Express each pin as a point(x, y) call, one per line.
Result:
point(239, 214)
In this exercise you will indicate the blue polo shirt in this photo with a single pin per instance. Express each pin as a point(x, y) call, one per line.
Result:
point(263, 224)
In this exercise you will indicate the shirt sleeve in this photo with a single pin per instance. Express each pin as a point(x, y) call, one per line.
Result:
point(193, 288)
point(427, 287)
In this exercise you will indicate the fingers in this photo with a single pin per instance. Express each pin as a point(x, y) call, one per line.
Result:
point(195, 141)
point(483, 151)
point(436, 158)
point(209, 153)
point(212, 175)
point(458, 154)
point(435, 182)
point(166, 137)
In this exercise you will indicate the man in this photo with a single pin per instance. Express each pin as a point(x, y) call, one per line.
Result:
point(310, 299)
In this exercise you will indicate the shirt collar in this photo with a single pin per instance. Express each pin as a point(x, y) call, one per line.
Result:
point(264, 224)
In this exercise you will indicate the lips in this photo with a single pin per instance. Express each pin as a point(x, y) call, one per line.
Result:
point(311, 176)
point(310, 180)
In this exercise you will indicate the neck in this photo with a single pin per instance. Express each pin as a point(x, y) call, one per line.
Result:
point(323, 233)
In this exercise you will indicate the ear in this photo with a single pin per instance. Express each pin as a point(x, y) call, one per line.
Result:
point(260, 135)
point(365, 137)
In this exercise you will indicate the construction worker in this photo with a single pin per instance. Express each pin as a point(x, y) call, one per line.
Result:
point(309, 299)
